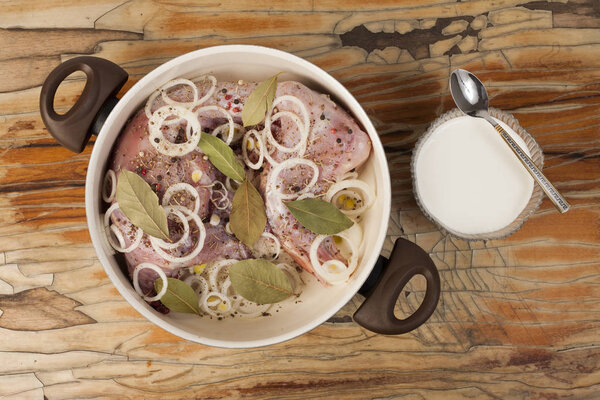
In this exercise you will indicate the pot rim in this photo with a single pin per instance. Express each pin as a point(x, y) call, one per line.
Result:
point(321, 76)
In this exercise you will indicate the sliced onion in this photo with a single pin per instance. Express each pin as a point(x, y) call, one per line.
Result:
point(156, 243)
point(367, 194)
point(108, 212)
point(307, 195)
point(215, 268)
point(227, 115)
point(229, 186)
point(111, 178)
point(175, 82)
point(238, 131)
point(333, 272)
point(261, 149)
point(186, 229)
point(210, 92)
point(349, 175)
point(294, 276)
point(118, 234)
point(222, 202)
point(290, 163)
point(303, 127)
point(202, 284)
point(165, 146)
point(299, 103)
point(165, 97)
point(262, 252)
point(251, 309)
point(205, 304)
point(182, 187)
point(299, 147)
point(161, 274)
point(121, 245)
point(150, 103)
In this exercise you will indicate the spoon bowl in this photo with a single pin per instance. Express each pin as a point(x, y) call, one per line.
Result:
point(468, 93)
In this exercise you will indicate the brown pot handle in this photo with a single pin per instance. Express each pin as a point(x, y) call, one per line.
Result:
point(73, 129)
point(377, 311)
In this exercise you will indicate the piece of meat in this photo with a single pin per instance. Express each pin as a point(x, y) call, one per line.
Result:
point(336, 144)
point(134, 152)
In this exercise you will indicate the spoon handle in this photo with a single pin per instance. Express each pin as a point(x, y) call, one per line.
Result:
point(559, 202)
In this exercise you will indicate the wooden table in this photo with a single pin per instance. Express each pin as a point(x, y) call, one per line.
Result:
point(518, 318)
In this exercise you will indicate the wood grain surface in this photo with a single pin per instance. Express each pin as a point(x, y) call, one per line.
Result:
point(519, 318)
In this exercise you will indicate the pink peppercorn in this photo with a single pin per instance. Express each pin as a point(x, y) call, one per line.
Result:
point(333, 130)
point(144, 171)
point(228, 97)
point(236, 109)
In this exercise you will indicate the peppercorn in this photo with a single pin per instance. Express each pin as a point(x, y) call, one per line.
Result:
point(236, 101)
point(349, 131)
point(228, 97)
point(338, 140)
point(223, 90)
point(322, 117)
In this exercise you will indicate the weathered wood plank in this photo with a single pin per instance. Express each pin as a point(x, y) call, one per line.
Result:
point(518, 317)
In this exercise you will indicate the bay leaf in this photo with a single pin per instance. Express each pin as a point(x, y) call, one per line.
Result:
point(259, 102)
point(260, 281)
point(319, 216)
point(248, 217)
point(222, 157)
point(140, 204)
point(179, 296)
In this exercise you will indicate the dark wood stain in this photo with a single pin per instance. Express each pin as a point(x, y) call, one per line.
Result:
point(416, 42)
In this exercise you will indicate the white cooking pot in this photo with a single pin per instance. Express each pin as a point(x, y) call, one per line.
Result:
point(97, 111)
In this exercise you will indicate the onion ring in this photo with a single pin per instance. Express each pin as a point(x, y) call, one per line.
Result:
point(227, 115)
point(156, 243)
point(333, 272)
point(161, 274)
point(110, 175)
point(164, 146)
point(290, 163)
point(180, 187)
point(261, 149)
point(367, 199)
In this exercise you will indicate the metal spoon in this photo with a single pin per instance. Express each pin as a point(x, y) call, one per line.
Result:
point(470, 96)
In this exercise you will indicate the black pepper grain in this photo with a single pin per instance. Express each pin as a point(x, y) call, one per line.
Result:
point(350, 131)
point(322, 117)
point(338, 140)
point(224, 90)
point(236, 101)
